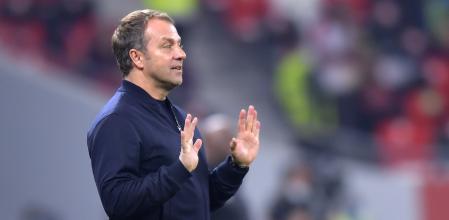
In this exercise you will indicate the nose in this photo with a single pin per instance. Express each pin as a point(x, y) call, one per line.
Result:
point(180, 54)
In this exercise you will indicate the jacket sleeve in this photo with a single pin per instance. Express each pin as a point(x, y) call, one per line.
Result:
point(224, 182)
point(114, 148)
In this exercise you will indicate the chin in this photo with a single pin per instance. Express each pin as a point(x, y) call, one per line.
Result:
point(171, 85)
point(178, 82)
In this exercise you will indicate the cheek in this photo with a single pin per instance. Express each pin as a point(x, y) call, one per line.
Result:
point(160, 61)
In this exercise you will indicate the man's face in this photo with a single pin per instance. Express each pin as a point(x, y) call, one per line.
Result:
point(164, 57)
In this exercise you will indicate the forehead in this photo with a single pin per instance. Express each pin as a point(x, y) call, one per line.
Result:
point(158, 30)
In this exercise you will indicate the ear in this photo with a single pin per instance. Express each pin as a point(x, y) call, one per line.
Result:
point(137, 58)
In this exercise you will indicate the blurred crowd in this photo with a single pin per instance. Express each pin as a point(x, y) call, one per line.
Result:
point(376, 67)
point(59, 33)
point(379, 68)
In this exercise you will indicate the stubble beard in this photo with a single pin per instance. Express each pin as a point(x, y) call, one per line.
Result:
point(164, 84)
point(167, 85)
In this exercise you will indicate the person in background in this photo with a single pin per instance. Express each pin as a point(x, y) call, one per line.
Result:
point(218, 130)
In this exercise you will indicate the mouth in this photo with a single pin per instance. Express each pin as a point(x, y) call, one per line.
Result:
point(179, 68)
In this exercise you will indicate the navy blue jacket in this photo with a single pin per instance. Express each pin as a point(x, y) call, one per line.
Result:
point(134, 146)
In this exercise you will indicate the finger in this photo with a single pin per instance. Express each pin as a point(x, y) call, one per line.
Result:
point(253, 130)
point(241, 123)
point(187, 122)
point(249, 118)
point(197, 145)
point(193, 125)
point(257, 130)
point(183, 140)
point(188, 127)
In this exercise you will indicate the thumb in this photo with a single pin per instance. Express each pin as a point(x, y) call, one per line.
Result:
point(233, 144)
point(197, 145)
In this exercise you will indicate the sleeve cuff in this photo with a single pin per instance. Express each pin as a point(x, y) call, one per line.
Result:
point(230, 173)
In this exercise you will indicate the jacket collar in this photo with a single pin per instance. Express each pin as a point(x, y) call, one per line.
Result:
point(138, 92)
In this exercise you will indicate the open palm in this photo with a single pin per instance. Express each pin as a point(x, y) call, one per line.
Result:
point(189, 150)
point(245, 146)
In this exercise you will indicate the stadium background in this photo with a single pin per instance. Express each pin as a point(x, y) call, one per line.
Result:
point(353, 97)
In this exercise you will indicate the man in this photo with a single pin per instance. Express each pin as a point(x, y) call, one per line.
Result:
point(147, 164)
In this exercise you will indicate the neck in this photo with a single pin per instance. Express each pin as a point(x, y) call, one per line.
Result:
point(148, 85)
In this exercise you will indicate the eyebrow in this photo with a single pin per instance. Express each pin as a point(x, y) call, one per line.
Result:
point(171, 40)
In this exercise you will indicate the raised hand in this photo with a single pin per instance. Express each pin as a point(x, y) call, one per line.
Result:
point(189, 150)
point(245, 146)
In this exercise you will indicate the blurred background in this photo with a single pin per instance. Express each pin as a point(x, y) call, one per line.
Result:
point(353, 96)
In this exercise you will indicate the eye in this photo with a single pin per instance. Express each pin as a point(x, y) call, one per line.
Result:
point(167, 46)
point(181, 46)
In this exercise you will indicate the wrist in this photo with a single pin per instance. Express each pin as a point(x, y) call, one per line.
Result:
point(236, 164)
point(187, 165)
